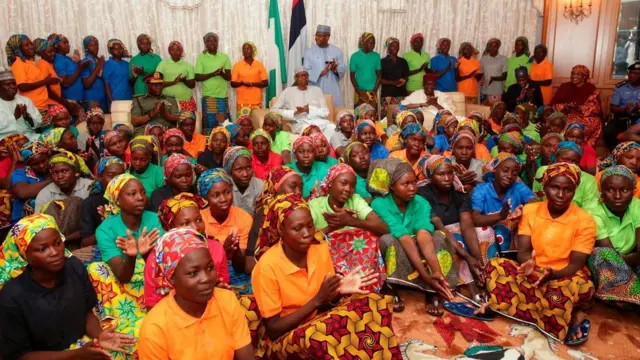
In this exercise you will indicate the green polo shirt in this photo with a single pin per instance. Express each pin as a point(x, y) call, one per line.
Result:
point(149, 63)
point(512, 64)
point(361, 187)
point(113, 227)
point(170, 70)
point(417, 215)
point(151, 179)
point(319, 206)
point(621, 233)
point(207, 63)
point(415, 60)
point(281, 142)
point(532, 132)
point(587, 194)
point(318, 172)
point(365, 66)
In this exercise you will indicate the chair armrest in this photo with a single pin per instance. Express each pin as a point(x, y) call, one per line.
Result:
point(257, 117)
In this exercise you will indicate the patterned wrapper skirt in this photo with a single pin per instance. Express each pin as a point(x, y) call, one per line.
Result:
point(614, 279)
point(370, 98)
point(548, 307)
point(246, 109)
point(123, 302)
point(464, 272)
point(356, 247)
point(498, 240)
point(359, 327)
point(210, 108)
point(239, 282)
point(5, 209)
point(189, 105)
point(386, 101)
point(401, 272)
point(252, 313)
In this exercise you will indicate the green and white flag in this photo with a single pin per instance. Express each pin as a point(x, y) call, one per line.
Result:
point(275, 54)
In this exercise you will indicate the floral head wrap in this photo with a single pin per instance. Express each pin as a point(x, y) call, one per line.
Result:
point(233, 130)
point(219, 129)
point(149, 127)
point(185, 115)
point(301, 141)
point(178, 44)
point(86, 41)
point(362, 109)
point(276, 118)
point(52, 137)
point(254, 49)
point(32, 148)
point(145, 142)
point(261, 132)
point(170, 249)
point(41, 44)
point(389, 41)
point(582, 70)
point(112, 192)
point(463, 134)
point(479, 115)
point(11, 139)
point(514, 138)
point(173, 132)
point(209, 178)
point(363, 38)
point(308, 130)
point(69, 158)
point(620, 171)
point(56, 39)
point(499, 159)
point(170, 207)
point(54, 110)
point(319, 138)
point(94, 111)
point(342, 115)
point(106, 162)
point(383, 173)
point(430, 163)
point(571, 171)
point(620, 149)
point(410, 129)
point(113, 42)
point(232, 154)
point(334, 171)
point(172, 162)
point(416, 36)
point(12, 49)
point(471, 123)
point(402, 116)
point(275, 179)
point(363, 124)
point(444, 122)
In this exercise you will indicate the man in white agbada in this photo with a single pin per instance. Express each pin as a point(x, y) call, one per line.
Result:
point(18, 115)
point(325, 64)
point(304, 105)
point(429, 100)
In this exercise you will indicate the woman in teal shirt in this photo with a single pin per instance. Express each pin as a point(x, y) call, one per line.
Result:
point(410, 238)
point(356, 155)
point(305, 164)
point(519, 58)
point(366, 71)
point(142, 65)
point(150, 175)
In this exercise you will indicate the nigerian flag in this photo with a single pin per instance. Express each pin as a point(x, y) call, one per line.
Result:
point(275, 53)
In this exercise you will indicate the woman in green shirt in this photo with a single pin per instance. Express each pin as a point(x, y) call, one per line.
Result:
point(281, 141)
point(142, 65)
point(356, 155)
point(305, 164)
point(213, 69)
point(173, 143)
point(366, 71)
point(615, 261)
point(179, 77)
point(150, 175)
point(410, 243)
point(519, 58)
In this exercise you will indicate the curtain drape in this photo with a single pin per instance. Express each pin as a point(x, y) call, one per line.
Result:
point(236, 21)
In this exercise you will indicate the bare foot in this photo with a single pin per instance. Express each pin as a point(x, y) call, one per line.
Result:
point(482, 309)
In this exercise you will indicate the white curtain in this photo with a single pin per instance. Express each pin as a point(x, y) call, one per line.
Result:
point(236, 21)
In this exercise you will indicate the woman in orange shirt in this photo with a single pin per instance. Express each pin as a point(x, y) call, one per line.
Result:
point(249, 77)
point(44, 49)
point(549, 280)
point(413, 144)
point(542, 73)
point(194, 142)
point(467, 71)
point(295, 283)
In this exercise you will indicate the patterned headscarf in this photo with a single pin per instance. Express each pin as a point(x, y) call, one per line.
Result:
point(440, 42)
point(511, 128)
point(112, 42)
point(276, 118)
point(307, 130)
point(557, 114)
point(145, 142)
point(149, 127)
point(402, 116)
point(11, 139)
point(56, 39)
point(300, 141)
point(574, 125)
point(383, 173)
point(13, 255)
point(233, 130)
point(54, 110)
point(342, 115)
point(620, 149)
point(106, 162)
point(319, 138)
point(571, 171)
point(473, 124)
point(261, 132)
point(173, 132)
point(551, 136)
point(219, 129)
point(179, 45)
point(444, 122)
point(499, 159)
point(108, 136)
point(112, 192)
point(52, 137)
point(514, 138)
point(363, 38)
point(185, 115)
point(474, 52)
point(209, 178)
point(410, 129)
point(363, 124)
point(486, 48)
point(71, 159)
point(32, 148)
point(170, 249)
point(566, 145)
point(582, 70)
point(525, 41)
point(477, 114)
point(12, 49)
point(172, 162)
point(334, 171)
point(206, 37)
point(463, 134)
point(620, 171)
point(86, 41)
point(390, 40)
point(170, 207)
point(94, 111)
point(41, 44)
point(347, 151)
point(430, 163)
point(254, 49)
point(415, 36)
point(232, 154)
point(145, 37)
point(362, 109)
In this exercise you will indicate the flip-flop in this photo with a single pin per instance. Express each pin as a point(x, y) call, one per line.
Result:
point(466, 309)
point(398, 304)
point(585, 327)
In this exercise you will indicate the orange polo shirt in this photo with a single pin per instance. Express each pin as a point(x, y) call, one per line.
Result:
point(468, 86)
point(237, 218)
point(255, 72)
point(48, 70)
point(636, 193)
point(540, 72)
point(28, 72)
point(280, 287)
point(555, 239)
point(196, 146)
point(170, 333)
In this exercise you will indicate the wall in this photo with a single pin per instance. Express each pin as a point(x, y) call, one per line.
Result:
point(591, 42)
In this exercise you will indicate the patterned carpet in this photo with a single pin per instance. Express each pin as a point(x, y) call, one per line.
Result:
point(615, 334)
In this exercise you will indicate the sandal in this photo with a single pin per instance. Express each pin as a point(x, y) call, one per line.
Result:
point(584, 327)
point(466, 309)
point(398, 304)
point(434, 305)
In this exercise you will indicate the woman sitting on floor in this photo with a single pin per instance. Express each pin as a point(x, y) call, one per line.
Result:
point(366, 134)
point(403, 119)
point(173, 143)
point(445, 129)
point(305, 164)
point(263, 159)
point(615, 261)
point(295, 284)
point(114, 145)
point(345, 127)
point(47, 299)
point(346, 219)
point(576, 132)
point(413, 144)
point(219, 142)
point(144, 152)
point(194, 143)
point(626, 154)
point(180, 178)
point(466, 166)
point(357, 156)
point(27, 182)
point(281, 143)
point(498, 111)
point(237, 162)
point(410, 241)
point(195, 320)
point(549, 280)
point(480, 151)
point(155, 130)
point(324, 152)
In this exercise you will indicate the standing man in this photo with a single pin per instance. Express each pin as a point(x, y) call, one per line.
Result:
point(625, 106)
point(418, 61)
point(325, 63)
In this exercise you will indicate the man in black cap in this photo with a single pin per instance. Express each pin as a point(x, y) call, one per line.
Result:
point(625, 106)
point(153, 107)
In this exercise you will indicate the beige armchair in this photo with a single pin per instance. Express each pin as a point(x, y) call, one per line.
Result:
point(257, 115)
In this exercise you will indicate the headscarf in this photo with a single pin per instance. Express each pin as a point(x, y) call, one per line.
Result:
point(463, 134)
point(108, 136)
point(142, 37)
point(54, 110)
point(362, 109)
point(444, 122)
point(620, 149)
point(571, 171)
point(430, 163)
point(582, 70)
point(206, 37)
point(308, 129)
point(145, 142)
point(232, 154)
point(525, 41)
point(363, 38)
point(499, 159)
point(511, 128)
point(389, 41)
point(319, 138)
point(301, 141)
point(277, 119)
point(179, 44)
point(514, 138)
point(85, 43)
point(112, 192)
point(169, 250)
point(254, 49)
point(127, 131)
point(172, 162)
point(69, 158)
point(209, 178)
point(112, 42)
point(233, 130)
point(440, 42)
point(95, 111)
point(343, 115)
point(347, 151)
point(566, 145)
point(41, 44)
point(495, 105)
point(272, 184)
point(574, 125)
point(363, 124)
point(219, 129)
point(476, 113)
point(170, 207)
point(415, 36)
point(12, 49)
point(620, 171)
point(149, 127)
point(474, 52)
point(173, 132)
point(13, 258)
point(334, 171)
point(410, 129)
point(550, 136)
point(56, 39)
point(184, 115)
point(473, 124)
point(486, 48)
point(383, 173)
point(96, 187)
point(11, 139)
point(402, 116)
point(32, 148)
point(261, 132)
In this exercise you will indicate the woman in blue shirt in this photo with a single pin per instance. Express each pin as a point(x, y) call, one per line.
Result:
point(445, 67)
point(116, 72)
point(92, 75)
point(366, 134)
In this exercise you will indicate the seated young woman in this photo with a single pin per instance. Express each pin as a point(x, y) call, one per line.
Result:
point(89, 141)
point(525, 113)
point(245, 128)
point(411, 240)
point(366, 134)
point(626, 154)
point(345, 127)
point(281, 142)
point(451, 213)
point(576, 132)
point(180, 178)
point(194, 143)
point(324, 151)
point(173, 143)
point(497, 205)
point(356, 155)
point(27, 182)
point(124, 239)
point(555, 238)
point(587, 193)
point(412, 143)
point(219, 142)
point(498, 111)
point(155, 130)
point(548, 145)
point(229, 224)
point(466, 166)
point(480, 151)
point(305, 164)
point(368, 112)
point(556, 122)
point(615, 261)
point(298, 292)
point(181, 211)
point(60, 138)
point(143, 167)
point(345, 218)
point(196, 320)
point(238, 163)
point(445, 129)
point(115, 145)
point(47, 299)
point(403, 118)
point(262, 158)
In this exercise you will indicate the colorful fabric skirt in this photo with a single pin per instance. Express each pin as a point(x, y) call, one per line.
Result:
point(213, 110)
point(386, 101)
point(188, 105)
point(45, 118)
point(246, 109)
point(400, 271)
point(5, 209)
point(498, 240)
point(252, 313)
point(464, 272)
point(239, 282)
point(548, 307)
point(356, 247)
point(124, 302)
point(614, 279)
point(359, 327)
point(371, 98)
